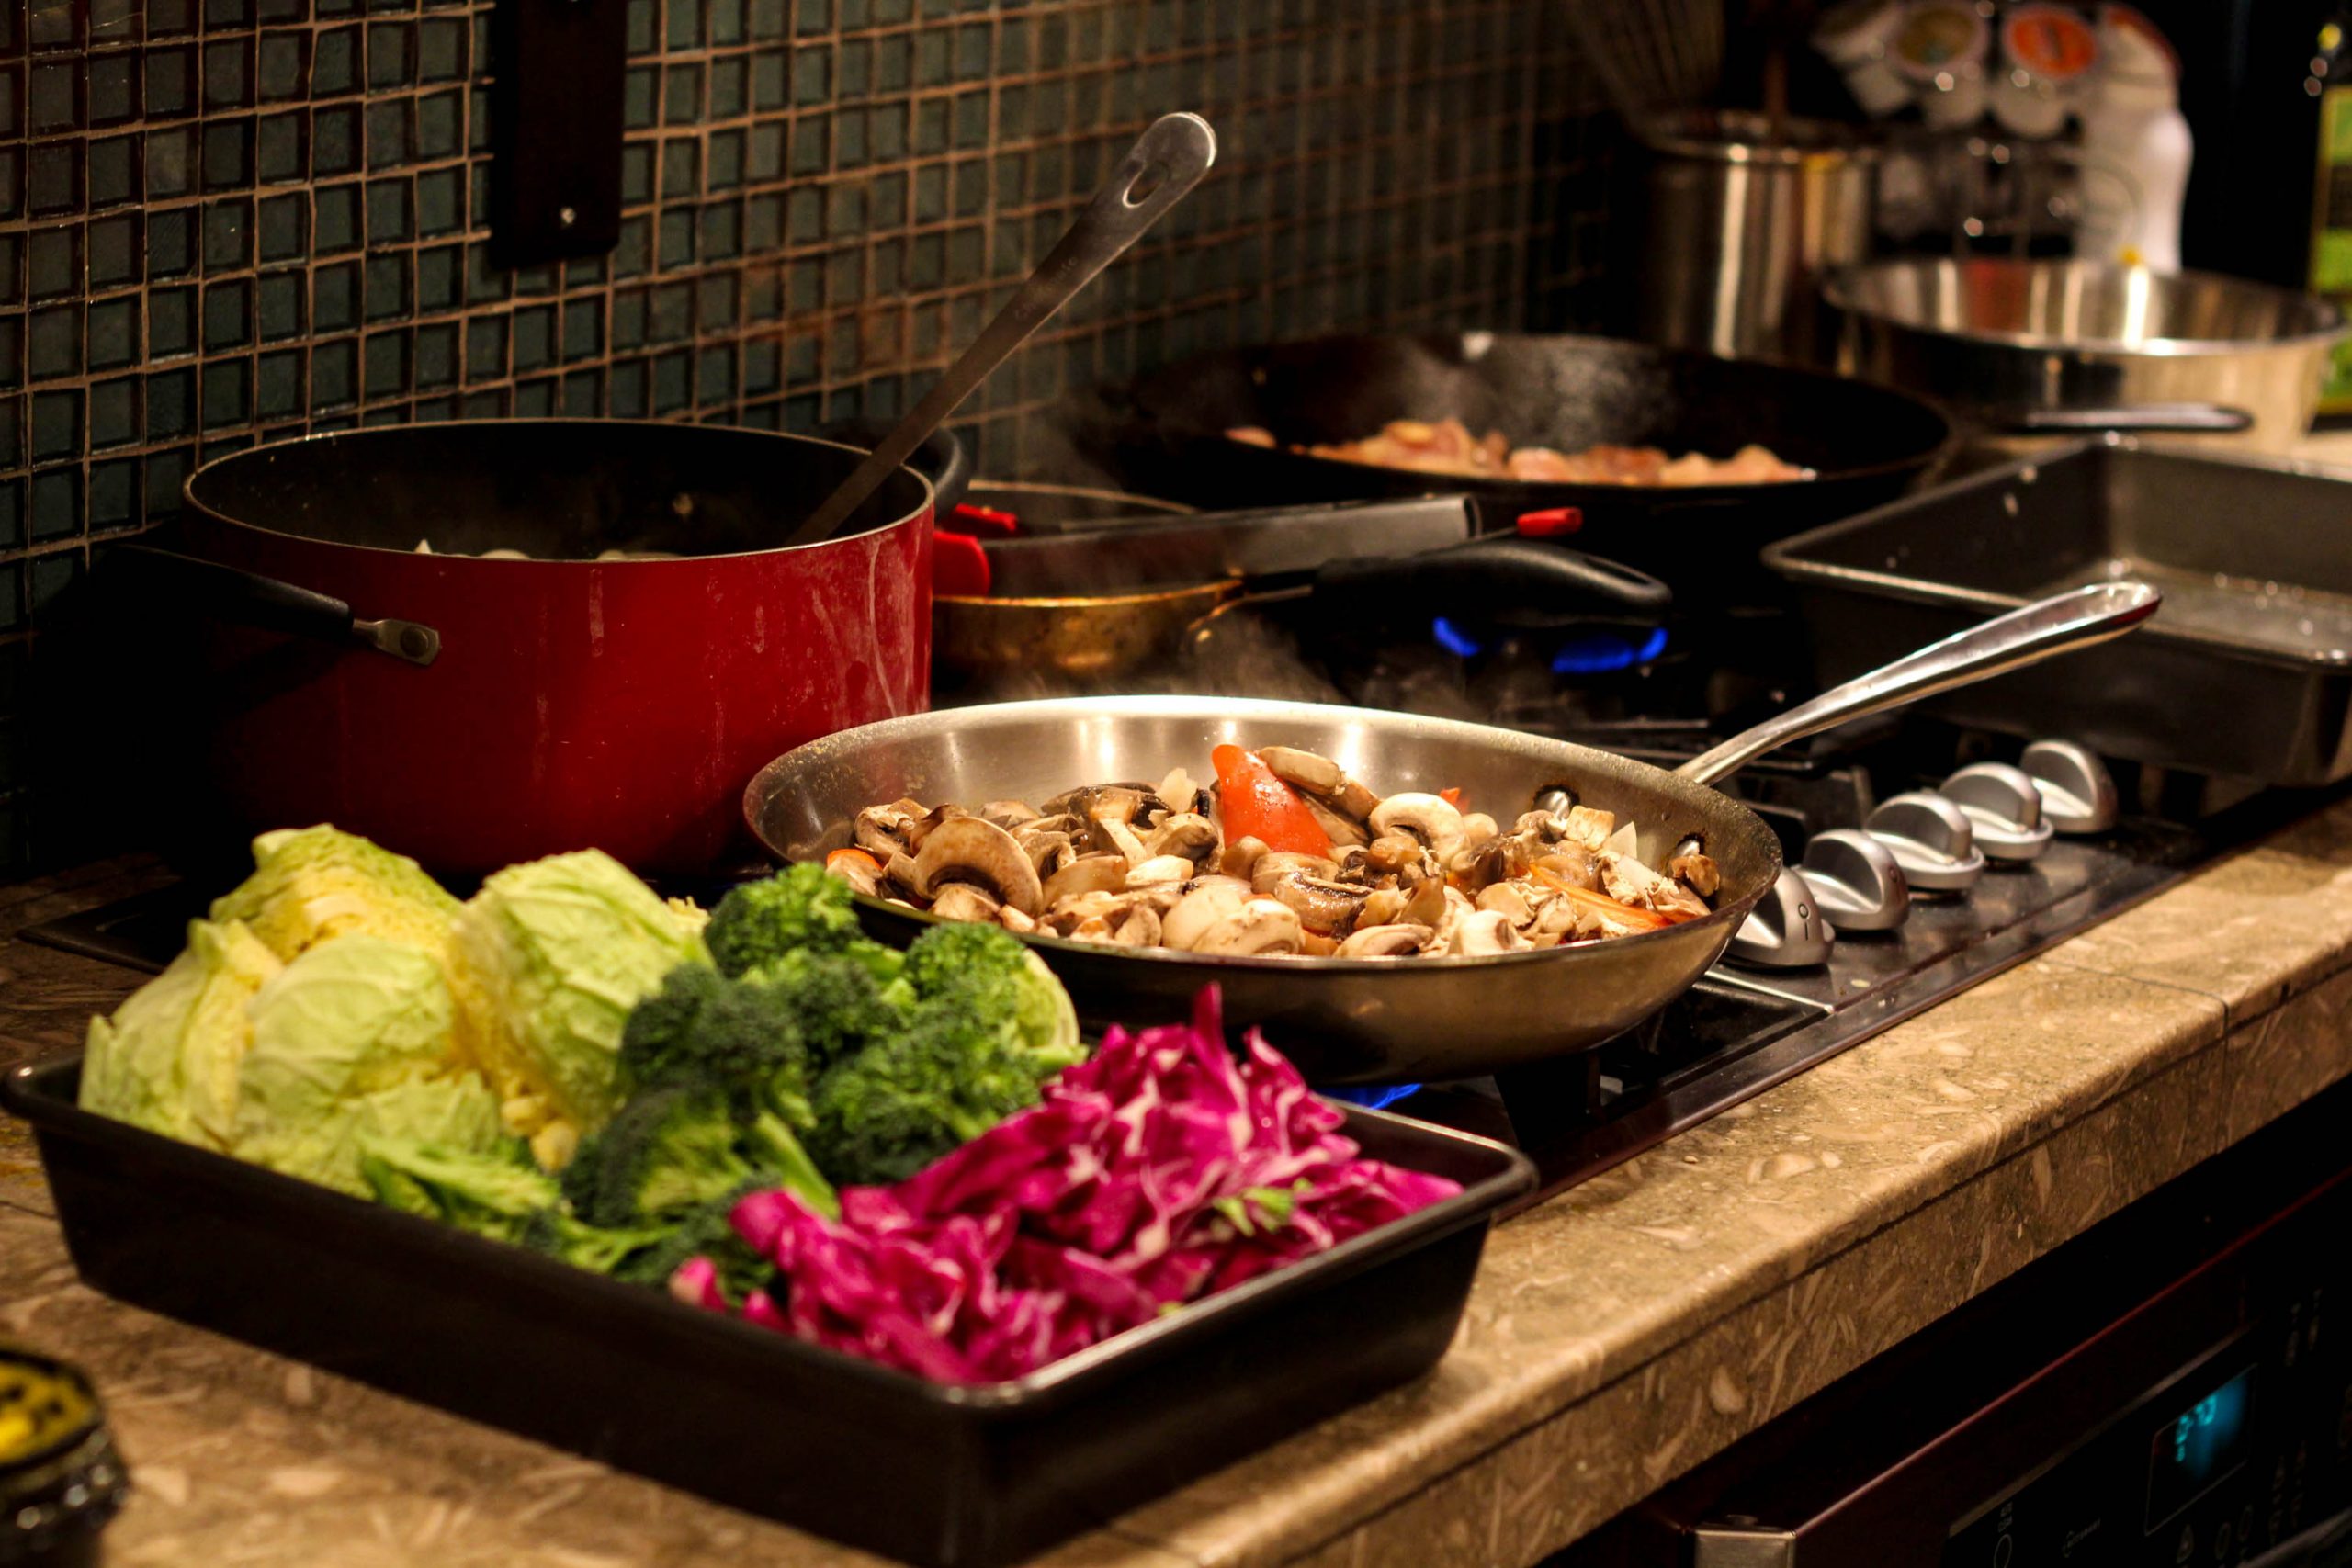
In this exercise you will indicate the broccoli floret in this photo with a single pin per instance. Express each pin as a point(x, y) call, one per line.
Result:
point(1006, 989)
point(703, 1233)
point(903, 1101)
point(490, 1194)
point(702, 1028)
point(600, 1251)
point(798, 908)
point(668, 1151)
point(837, 1001)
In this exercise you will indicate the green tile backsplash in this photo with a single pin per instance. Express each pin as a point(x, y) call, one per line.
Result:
point(224, 221)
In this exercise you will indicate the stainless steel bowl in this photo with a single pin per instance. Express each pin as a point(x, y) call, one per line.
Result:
point(1356, 1021)
point(2048, 347)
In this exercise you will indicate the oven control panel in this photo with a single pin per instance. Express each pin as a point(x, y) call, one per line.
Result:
point(2237, 1453)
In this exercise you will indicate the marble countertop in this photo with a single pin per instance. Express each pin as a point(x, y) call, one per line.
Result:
point(1617, 1334)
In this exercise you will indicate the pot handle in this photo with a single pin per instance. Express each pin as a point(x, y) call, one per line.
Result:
point(1507, 581)
point(2041, 630)
point(942, 458)
point(2146, 419)
point(244, 598)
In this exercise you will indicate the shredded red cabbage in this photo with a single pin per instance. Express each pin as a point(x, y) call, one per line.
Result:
point(1160, 1171)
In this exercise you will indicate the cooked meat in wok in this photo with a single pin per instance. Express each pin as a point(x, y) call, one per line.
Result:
point(1448, 447)
point(1285, 855)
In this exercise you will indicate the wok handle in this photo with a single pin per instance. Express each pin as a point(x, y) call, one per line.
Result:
point(2038, 631)
point(1504, 580)
point(2148, 419)
point(224, 593)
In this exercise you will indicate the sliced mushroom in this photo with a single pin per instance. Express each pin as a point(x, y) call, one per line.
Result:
point(1139, 927)
point(1321, 904)
point(1048, 852)
point(1241, 855)
point(900, 877)
point(1426, 907)
point(1210, 900)
point(1008, 814)
point(1122, 839)
point(1565, 918)
point(1432, 819)
point(1483, 932)
point(1260, 926)
point(1585, 826)
point(1392, 854)
point(1697, 872)
point(965, 848)
point(1382, 905)
point(1188, 834)
point(919, 833)
point(1384, 942)
point(968, 901)
point(1277, 864)
point(1087, 873)
point(1078, 911)
point(1507, 898)
point(1574, 864)
point(1628, 881)
point(1306, 770)
point(1482, 863)
point(1340, 829)
point(1014, 921)
point(885, 831)
point(1159, 869)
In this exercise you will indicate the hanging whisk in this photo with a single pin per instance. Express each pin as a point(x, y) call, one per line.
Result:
point(1652, 56)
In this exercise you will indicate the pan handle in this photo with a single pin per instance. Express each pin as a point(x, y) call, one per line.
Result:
point(2146, 419)
point(1502, 582)
point(246, 598)
point(2038, 631)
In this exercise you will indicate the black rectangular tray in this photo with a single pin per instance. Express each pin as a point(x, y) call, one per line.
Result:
point(744, 1416)
point(2245, 672)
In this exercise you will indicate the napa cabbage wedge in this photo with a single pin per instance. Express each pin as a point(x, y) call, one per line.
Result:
point(545, 964)
point(167, 1060)
point(312, 883)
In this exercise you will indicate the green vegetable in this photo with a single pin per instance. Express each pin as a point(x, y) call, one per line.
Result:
point(701, 1028)
point(546, 963)
point(839, 1002)
point(583, 1245)
point(167, 1059)
point(354, 1036)
point(989, 974)
point(703, 1233)
point(310, 884)
point(492, 1192)
point(674, 1149)
point(800, 909)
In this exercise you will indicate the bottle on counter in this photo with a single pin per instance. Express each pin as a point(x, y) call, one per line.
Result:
point(2136, 148)
point(60, 1480)
point(2330, 82)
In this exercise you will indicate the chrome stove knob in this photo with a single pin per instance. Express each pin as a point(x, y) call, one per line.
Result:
point(2078, 795)
point(1931, 839)
point(2003, 810)
point(1786, 930)
point(1857, 883)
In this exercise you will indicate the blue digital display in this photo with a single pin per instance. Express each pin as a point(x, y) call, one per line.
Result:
point(2198, 1446)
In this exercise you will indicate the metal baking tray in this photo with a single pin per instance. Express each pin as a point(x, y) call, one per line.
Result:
point(2246, 672)
point(865, 1454)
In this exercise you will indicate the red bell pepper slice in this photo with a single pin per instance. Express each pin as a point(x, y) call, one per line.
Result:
point(1256, 804)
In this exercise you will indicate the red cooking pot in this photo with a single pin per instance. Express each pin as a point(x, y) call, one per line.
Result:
point(571, 701)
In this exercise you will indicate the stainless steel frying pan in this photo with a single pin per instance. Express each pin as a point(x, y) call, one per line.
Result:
point(1372, 1020)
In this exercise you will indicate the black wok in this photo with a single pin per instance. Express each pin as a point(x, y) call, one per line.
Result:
point(1371, 1021)
point(1164, 434)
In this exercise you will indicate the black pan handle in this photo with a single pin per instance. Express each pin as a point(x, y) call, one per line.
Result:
point(2148, 419)
point(244, 598)
point(1504, 582)
point(942, 458)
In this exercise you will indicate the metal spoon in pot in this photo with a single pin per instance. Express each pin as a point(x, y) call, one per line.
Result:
point(1166, 162)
